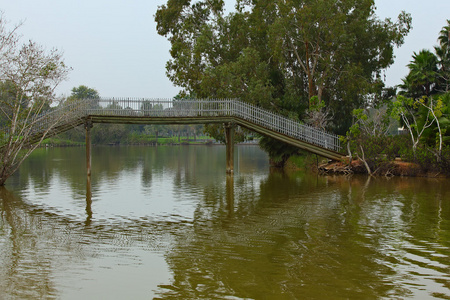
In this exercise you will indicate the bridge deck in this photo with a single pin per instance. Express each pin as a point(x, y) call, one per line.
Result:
point(172, 111)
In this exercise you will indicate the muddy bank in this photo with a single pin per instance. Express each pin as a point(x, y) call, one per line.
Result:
point(394, 168)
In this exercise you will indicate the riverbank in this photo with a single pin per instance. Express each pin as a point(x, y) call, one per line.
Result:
point(54, 142)
point(394, 168)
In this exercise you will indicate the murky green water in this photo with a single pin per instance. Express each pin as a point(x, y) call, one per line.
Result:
point(167, 223)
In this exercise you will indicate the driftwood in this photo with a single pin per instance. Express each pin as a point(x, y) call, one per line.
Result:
point(335, 168)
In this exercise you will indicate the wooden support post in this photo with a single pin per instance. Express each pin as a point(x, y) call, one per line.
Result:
point(88, 125)
point(229, 140)
point(88, 201)
point(230, 194)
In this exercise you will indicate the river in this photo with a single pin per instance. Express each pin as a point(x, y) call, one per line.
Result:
point(168, 223)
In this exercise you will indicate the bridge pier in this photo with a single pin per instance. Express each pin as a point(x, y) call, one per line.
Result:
point(88, 125)
point(229, 141)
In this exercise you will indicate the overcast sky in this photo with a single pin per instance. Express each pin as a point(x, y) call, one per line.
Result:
point(112, 45)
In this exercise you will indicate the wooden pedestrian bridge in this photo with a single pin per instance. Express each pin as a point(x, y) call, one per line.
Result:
point(230, 112)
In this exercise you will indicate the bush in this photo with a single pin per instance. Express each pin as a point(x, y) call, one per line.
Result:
point(427, 158)
point(445, 160)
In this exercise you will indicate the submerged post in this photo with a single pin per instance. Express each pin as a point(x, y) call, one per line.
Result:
point(230, 194)
point(88, 125)
point(229, 140)
point(88, 201)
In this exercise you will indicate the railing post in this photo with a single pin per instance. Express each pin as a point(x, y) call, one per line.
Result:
point(229, 141)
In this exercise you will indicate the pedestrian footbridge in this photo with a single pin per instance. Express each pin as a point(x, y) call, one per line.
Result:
point(230, 112)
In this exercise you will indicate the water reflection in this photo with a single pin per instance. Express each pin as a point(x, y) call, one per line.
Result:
point(25, 270)
point(316, 238)
point(170, 223)
point(88, 201)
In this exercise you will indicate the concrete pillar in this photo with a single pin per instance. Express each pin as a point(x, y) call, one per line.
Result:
point(229, 140)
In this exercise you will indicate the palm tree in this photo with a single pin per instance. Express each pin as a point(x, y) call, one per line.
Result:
point(444, 37)
point(423, 72)
point(443, 54)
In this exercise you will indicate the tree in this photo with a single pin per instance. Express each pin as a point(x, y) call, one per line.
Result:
point(281, 54)
point(337, 49)
point(84, 92)
point(29, 75)
point(429, 73)
point(419, 115)
point(422, 105)
point(368, 140)
point(423, 74)
point(443, 54)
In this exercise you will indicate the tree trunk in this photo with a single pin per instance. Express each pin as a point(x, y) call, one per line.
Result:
point(363, 159)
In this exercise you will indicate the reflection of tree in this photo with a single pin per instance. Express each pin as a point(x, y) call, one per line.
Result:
point(303, 236)
point(254, 236)
point(23, 237)
point(193, 163)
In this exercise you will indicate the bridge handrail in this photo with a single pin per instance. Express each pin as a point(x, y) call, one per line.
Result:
point(221, 107)
point(286, 126)
point(140, 107)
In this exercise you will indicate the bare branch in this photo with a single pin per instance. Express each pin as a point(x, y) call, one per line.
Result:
point(29, 75)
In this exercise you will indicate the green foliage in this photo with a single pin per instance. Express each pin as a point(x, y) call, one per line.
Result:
point(423, 75)
point(316, 104)
point(279, 153)
point(429, 73)
point(58, 141)
point(424, 103)
point(425, 118)
point(109, 133)
point(84, 92)
point(281, 55)
point(426, 158)
point(367, 139)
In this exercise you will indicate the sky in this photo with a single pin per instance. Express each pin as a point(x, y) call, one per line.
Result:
point(113, 47)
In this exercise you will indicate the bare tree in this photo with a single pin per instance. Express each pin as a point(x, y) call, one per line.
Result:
point(29, 75)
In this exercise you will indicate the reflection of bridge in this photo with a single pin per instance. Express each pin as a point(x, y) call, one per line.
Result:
point(230, 112)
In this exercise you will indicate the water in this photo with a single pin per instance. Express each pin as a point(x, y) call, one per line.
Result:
point(168, 223)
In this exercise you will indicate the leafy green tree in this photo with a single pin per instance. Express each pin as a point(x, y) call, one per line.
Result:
point(368, 140)
point(279, 55)
point(84, 92)
point(443, 54)
point(421, 107)
point(422, 115)
point(423, 74)
point(78, 93)
point(332, 42)
point(429, 73)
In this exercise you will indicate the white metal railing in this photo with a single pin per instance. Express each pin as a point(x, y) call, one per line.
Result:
point(142, 107)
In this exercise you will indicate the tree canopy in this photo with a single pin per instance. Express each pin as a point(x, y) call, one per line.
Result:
point(422, 108)
point(423, 103)
point(84, 92)
point(280, 54)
